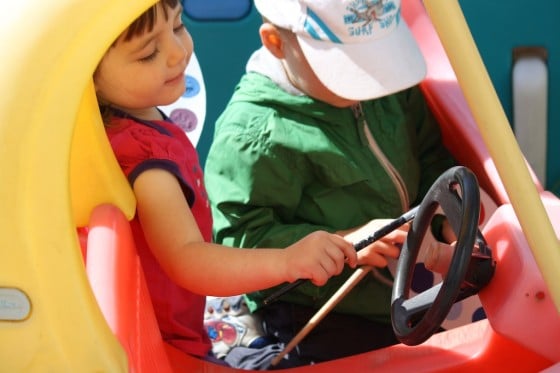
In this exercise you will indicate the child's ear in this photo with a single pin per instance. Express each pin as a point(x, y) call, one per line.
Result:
point(272, 40)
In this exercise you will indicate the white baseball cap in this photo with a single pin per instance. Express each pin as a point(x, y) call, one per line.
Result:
point(359, 49)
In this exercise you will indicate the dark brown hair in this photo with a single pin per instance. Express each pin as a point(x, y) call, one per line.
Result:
point(144, 23)
point(147, 20)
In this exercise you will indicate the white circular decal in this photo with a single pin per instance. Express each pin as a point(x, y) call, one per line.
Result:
point(189, 111)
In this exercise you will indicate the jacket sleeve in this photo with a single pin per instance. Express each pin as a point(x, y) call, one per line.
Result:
point(254, 187)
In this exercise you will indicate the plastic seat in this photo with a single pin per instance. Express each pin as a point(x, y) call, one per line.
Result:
point(118, 282)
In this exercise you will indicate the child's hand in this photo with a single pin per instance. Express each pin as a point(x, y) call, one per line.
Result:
point(438, 257)
point(447, 232)
point(378, 252)
point(319, 256)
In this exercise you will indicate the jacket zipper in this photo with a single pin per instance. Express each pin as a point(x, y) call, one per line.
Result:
point(394, 175)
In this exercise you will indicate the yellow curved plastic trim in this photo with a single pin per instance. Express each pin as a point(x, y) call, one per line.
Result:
point(492, 122)
point(52, 147)
point(95, 176)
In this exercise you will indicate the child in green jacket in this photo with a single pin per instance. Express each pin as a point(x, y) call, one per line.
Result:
point(327, 130)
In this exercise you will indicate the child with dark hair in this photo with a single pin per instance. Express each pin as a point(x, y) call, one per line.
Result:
point(172, 228)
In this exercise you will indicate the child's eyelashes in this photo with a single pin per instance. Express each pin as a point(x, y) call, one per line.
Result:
point(179, 28)
point(150, 57)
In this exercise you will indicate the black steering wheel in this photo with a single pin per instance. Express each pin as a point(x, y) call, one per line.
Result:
point(416, 319)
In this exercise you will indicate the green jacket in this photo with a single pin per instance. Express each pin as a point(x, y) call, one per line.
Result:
point(282, 166)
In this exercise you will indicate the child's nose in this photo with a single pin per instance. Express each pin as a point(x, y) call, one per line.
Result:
point(178, 51)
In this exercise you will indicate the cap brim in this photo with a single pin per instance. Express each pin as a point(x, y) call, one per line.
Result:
point(364, 71)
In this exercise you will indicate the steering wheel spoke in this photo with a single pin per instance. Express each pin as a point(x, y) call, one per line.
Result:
point(420, 302)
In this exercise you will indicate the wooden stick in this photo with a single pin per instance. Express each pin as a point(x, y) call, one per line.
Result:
point(323, 311)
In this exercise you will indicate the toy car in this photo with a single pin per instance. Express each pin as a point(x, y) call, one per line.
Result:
point(75, 300)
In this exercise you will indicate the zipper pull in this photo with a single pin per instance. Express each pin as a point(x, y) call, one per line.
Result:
point(360, 122)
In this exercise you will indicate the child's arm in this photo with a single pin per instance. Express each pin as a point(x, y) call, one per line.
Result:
point(175, 240)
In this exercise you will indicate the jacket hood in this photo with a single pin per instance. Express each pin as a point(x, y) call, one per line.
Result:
point(266, 84)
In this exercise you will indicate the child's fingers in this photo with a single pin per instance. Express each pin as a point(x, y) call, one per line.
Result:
point(327, 254)
point(438, 256)
point(339, 253)
point(387, 248)
point(350, 255)
point(377, 253)
point(373, 259)
point(320, 275)
point(398, 235)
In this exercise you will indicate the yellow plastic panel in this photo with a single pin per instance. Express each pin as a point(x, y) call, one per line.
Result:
point(49, 52)
point(95, 176)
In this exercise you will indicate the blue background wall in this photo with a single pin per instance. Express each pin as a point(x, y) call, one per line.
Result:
point(225, 33)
